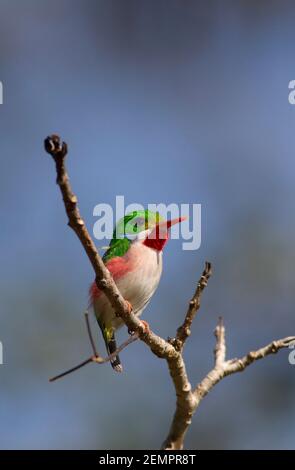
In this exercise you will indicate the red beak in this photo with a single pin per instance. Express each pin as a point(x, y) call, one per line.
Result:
point(159, 235)
point(169, 223)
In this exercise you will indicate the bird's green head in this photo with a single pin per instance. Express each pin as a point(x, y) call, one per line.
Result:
point(135, 222)
point(149, 226)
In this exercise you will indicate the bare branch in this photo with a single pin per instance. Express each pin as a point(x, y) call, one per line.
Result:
point(186, 408)
point(184, 331)
point(220, 347)
point(224, 368)
point(73, 369)
point(238, 365)
point(95, 353)
point(187, 401)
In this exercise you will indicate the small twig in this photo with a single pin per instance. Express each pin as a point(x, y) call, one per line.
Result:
point(184, 331)
point(97, 358)
point(73, 369)
point(95, 353)
point(238, 365)
point(232, 366)
point(220, 347)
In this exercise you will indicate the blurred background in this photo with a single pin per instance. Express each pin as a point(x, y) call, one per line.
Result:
point(159, 101)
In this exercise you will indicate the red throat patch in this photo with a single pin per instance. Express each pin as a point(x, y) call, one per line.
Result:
point(156, 243)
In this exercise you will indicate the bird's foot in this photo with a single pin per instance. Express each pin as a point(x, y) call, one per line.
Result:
point(146, 326)
point(129, 306)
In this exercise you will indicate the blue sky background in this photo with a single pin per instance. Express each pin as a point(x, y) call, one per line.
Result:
point(182, 102)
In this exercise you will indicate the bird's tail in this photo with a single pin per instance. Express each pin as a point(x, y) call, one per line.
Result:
point(111, 346)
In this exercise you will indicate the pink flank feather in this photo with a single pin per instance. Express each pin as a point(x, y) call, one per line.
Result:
point(118, 267)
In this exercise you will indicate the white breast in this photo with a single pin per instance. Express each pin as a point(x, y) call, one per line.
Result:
point(137, 286)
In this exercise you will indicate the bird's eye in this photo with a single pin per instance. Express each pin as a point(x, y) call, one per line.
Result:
point(137, 223)
point(139, 220)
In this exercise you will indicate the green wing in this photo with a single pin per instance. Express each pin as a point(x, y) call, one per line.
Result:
point(118, 247)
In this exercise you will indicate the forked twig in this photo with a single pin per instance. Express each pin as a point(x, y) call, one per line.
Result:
point(90, 335)
point(96, 357)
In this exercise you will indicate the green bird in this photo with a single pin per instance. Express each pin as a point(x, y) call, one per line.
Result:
point(134, 258)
